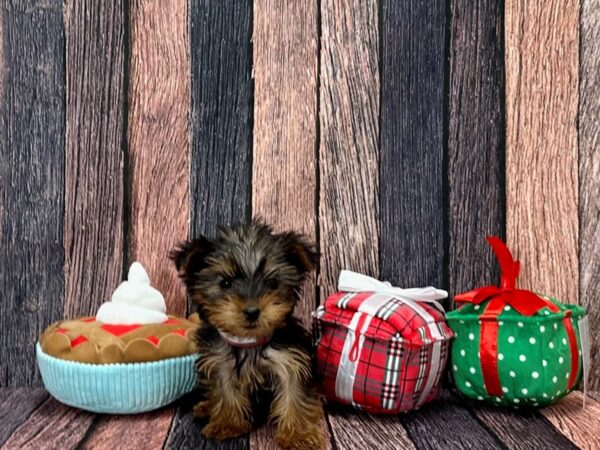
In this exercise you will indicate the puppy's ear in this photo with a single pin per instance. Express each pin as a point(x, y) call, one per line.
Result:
point(299, 252)
point(190, 256)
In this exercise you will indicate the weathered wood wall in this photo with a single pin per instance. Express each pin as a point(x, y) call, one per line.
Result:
point(397, 135)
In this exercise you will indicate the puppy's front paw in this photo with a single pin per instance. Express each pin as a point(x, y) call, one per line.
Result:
point(309, 438)
point(222, 431)
point(202, 409)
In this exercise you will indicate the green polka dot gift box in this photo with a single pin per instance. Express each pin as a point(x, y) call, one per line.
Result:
point(514, 347)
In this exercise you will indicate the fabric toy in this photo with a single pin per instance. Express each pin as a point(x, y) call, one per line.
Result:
point(132, 357)
point(514, 347)
point(381, 348)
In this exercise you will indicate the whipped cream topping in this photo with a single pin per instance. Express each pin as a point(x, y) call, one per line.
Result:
point(134, 301)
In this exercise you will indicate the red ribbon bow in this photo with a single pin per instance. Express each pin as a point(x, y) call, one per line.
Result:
point(523, 301)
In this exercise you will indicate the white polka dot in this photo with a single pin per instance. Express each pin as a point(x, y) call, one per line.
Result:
point(504, 389)
point(542, 328)
point(545, 395)
point(551, 345)
point(476, 307)
point(471, 336)
point(556, 326)
point(467, 384)
point(516, 400)
point(522, 358)
point(500, 356)
point(462, 352)
point(567, 375)
point(532, 340)
point(544, 362)
point(472, 370)
point(524, 391)
point(511, 339)
point(479, 354)
point(498, 399)
point(554, 379)
point(512, 374)
point(520, 324)
point(536, 404)
point(564, 341)
point(557, 392)
point(507, 308)
point(454, 367)
point(535, 374)
point(546, 312)
point(500, 323)
point(479, 397)
point(561, 360)
point(462, 321)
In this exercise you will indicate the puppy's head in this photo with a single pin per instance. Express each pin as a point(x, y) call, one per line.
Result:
point(247, 280)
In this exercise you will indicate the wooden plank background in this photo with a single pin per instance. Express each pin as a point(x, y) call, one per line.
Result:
point(396, 135)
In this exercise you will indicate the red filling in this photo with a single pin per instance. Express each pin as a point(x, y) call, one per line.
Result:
point(118, 330)
point(78, 340)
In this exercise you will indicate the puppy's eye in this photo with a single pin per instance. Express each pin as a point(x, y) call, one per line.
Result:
point(226, 283)
point(272, 283)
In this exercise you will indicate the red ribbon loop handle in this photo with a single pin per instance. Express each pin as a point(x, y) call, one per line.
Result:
point(508, 266)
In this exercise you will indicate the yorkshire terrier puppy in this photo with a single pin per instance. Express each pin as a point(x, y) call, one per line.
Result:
point(246, 283)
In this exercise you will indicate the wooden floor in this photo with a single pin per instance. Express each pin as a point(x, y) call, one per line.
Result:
point(30, 419)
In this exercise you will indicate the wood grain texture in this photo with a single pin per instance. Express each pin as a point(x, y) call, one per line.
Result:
point(16, 405)
point(476, 197)
point(284, 178)
point(32, 162)
point(140, 431)
point(412, 142)
point(52, 426)
point(357, 430)
point(579, 425)
point(446, 423)
point(589, 176)
point(221, 114)
point(521, 429)
point(263, 438)
point(158, 140)
point(542, 60)
point(93, 234)
point(348, 154)
point(221, 144)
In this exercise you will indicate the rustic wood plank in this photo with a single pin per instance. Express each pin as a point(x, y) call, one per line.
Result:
point(520, 429)
point(284, 176)
point(357, 430)
point(32, 162)
point(446, 423)
point(263, 438)
point(412, 142)
point(93, 235)
point(185, 432)
point(579, 425)
point(349, 155)
point(52, 426)
point(221, 144)
point(542, 61)
point(476, 142)
point(148, 431)
point(589, 176)
point(158, 140)
point(16, 405)
point(221, 113)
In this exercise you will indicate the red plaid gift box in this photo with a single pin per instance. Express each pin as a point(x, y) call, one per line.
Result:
point(380, 348)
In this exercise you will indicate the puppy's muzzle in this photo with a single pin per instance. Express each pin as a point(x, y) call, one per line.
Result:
point(251, 313)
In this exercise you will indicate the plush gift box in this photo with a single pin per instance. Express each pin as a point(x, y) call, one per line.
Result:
point(380, 348)
point(512, 346)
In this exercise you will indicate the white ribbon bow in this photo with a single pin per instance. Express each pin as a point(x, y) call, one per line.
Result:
point(357, 282)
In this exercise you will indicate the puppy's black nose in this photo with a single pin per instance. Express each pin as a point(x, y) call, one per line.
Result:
point(252, 313)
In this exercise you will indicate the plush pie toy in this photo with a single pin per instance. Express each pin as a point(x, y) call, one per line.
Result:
point(132, 357)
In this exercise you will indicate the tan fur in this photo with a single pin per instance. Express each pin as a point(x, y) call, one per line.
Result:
point(296, 414)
